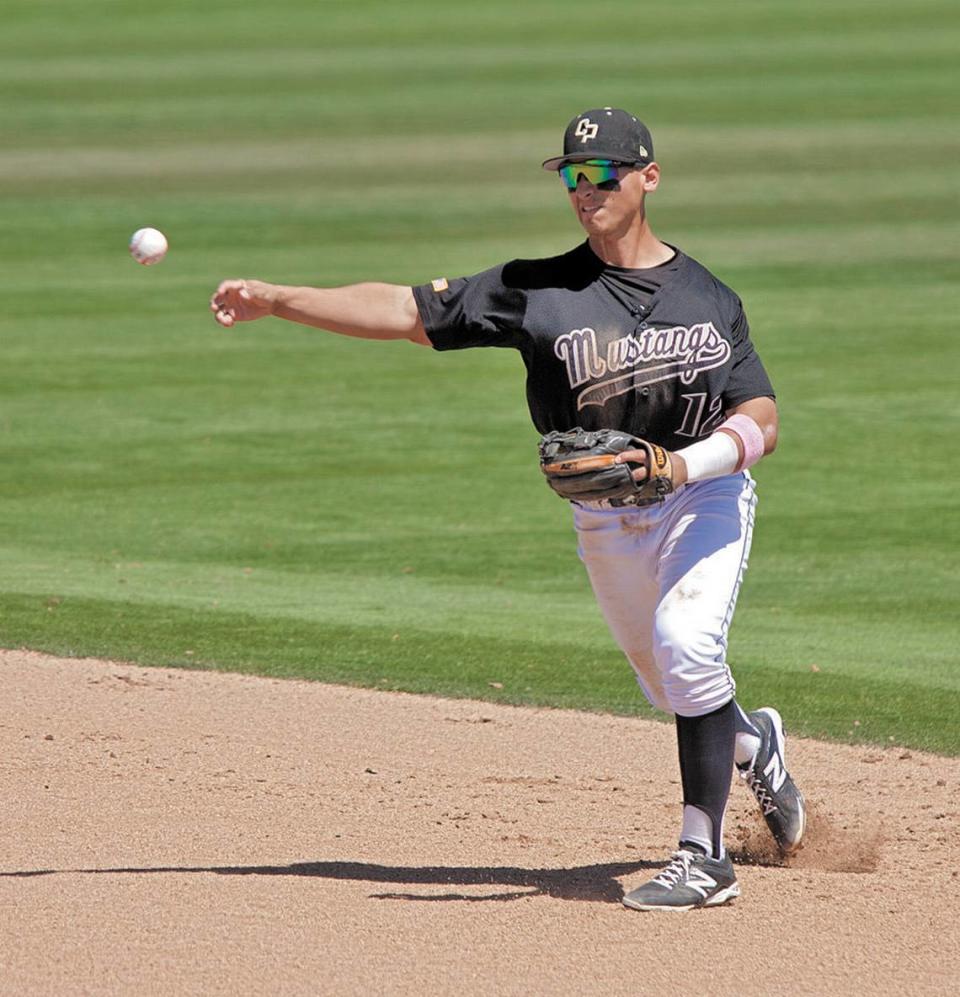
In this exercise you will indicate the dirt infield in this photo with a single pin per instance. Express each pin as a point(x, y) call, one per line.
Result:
point(171, 832)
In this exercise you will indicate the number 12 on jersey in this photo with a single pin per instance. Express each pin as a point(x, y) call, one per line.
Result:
point(700, 418)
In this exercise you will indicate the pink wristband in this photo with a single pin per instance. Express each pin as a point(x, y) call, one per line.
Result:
point(750, 435)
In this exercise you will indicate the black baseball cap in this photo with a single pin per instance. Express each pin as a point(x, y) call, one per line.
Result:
point(604, 133)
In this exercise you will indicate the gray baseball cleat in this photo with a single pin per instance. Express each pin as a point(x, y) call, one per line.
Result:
point(767, 777)
point(690, 880)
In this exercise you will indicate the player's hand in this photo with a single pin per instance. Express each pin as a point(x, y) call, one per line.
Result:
point(242, 301)
point(678, 465)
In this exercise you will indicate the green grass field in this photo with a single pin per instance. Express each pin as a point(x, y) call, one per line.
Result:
point(174, 494)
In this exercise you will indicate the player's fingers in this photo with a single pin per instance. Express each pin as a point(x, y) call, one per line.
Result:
point(640, 474)
point(240, 301)
point(227, 293)
point(226, 286)
point(631, 457)
point(224, 317)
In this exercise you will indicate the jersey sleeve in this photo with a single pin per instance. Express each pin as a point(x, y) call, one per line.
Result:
point(472, 311)
point(748, 379)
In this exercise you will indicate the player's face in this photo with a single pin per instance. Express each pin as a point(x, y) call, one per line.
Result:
point(610, 207)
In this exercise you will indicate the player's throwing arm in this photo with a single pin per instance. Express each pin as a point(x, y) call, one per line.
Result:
point(368, 311)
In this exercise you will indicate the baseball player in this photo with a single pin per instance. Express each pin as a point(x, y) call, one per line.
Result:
point(626, 332)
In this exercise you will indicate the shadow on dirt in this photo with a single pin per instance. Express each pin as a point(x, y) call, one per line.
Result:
point(592, 883)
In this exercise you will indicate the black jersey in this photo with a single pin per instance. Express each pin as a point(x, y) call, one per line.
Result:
point(661, 353)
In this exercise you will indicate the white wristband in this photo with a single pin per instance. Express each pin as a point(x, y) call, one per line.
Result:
point(711, 458)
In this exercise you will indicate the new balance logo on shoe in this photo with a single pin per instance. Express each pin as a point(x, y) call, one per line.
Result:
point(698, 880)
point(775, 772)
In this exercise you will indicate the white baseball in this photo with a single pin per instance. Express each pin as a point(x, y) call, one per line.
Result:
point(148, 246)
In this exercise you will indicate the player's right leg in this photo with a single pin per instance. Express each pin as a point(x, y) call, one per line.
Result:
point(618, 549)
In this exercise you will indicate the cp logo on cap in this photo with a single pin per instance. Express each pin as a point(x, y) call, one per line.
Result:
point(586, 129)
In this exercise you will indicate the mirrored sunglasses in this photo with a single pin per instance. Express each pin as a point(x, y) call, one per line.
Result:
point(602, 173)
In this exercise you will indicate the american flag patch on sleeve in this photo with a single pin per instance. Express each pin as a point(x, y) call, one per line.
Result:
point(440, 284)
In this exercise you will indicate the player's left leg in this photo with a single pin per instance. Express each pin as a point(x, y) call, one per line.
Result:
point(701, 874)
point(766, 775)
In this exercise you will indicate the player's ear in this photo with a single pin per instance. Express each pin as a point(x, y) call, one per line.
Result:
point(651, 177)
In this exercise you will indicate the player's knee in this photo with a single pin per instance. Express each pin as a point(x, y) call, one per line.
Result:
point(679, 638)
point(693, 673)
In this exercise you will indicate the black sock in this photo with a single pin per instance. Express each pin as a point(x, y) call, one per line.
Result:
point(705, 745)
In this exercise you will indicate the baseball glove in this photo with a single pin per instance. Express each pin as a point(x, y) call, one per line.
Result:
point(579, 466)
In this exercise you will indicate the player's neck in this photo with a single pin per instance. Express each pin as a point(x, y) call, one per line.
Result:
point(635, 249)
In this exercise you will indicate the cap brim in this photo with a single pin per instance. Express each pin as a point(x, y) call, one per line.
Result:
point(558, 161)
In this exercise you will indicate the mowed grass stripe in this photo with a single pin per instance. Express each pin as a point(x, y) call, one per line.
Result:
point(368, 69)
point(166, 116)
point(179, 24)
point(296, 59)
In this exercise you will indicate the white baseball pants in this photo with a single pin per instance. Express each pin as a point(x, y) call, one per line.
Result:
point(666, 578)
